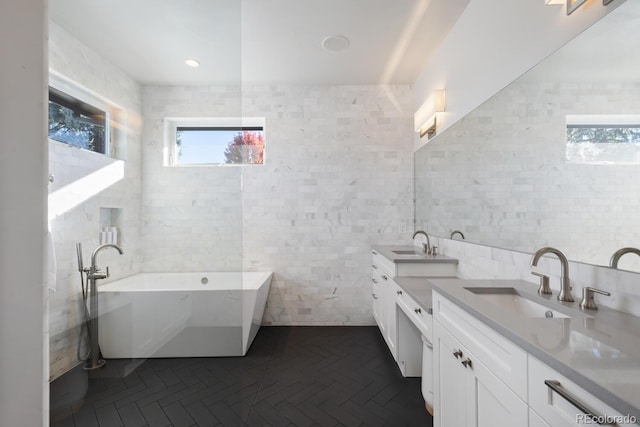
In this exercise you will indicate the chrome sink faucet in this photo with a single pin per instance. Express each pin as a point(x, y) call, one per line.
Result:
point(613, 262)
point(565, 291)
point(426, 248)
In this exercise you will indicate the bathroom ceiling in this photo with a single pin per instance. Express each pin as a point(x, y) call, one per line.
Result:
point(258, 41)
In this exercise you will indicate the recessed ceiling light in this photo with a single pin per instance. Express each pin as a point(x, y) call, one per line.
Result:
point(336, 43)
point(192, 62)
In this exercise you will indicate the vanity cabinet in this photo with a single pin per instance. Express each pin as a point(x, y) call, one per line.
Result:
point(401, 320)
point(384, 301)
point(483, 379)
point(480, 378)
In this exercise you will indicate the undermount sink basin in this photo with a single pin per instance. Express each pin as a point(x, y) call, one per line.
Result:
point(406, 252)
point(514, 302)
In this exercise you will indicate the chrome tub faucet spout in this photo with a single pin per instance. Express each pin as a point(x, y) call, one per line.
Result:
point(93, 271)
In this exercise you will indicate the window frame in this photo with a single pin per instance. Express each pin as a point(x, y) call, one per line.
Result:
point(603, 155)
point(115, 140)
point(74, 104)
point(172, 124)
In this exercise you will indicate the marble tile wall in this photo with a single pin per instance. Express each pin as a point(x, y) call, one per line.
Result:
point(191, 216)
point(75, 61)
point(337, 178)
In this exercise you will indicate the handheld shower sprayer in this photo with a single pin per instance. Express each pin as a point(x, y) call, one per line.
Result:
point(79, 254)
point(84, 326)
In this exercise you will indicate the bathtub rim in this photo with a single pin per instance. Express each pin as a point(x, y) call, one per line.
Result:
point(132, 282)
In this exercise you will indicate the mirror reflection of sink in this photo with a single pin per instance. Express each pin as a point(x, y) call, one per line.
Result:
point(514, 302)
point(406, 252)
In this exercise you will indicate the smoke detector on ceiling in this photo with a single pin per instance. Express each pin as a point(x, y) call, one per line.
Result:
point(336, 43)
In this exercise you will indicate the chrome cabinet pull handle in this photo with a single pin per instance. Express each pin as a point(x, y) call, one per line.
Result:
point(418, 310)
point(385, 277)
point(374, 296)
point(374, 266)
point(374, 281)
point(399, 292)
point(374, 252)
point(457, 353)
point(467, 363)
point(569, 397)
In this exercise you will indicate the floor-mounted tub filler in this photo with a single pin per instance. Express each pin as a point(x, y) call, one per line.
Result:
point(90, 301)
point(207, 314)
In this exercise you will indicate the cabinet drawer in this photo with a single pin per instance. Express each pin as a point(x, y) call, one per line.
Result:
point(550, 394)
point(415, 313)
point(378, 262)
point(508, 361)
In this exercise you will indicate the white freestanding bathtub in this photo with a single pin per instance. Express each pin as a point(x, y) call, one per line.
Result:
point(205, 314)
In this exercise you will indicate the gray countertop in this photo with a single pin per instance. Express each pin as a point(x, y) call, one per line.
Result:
point(416, 256)
point(598, 350)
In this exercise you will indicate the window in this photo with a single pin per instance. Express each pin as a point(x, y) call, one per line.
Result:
point(215, 142)
point(603, 139)
point(77, 123)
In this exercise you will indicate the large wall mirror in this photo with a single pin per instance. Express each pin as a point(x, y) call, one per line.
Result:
point(551, 160)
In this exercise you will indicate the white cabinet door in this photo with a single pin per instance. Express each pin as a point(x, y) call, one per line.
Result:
point(384, 301)
point(466, 393)
point(493, 403)
point(389, 302)
point(449, 382)
point(507, 360)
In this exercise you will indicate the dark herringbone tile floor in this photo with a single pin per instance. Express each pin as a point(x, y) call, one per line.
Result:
point(291, 376)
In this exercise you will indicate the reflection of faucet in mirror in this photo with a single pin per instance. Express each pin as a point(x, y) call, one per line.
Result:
point(426, 247)
point(454, 232)
point(613, 262)
point(565, 291)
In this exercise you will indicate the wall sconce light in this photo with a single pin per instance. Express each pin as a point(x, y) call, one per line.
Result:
point(430, 110)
